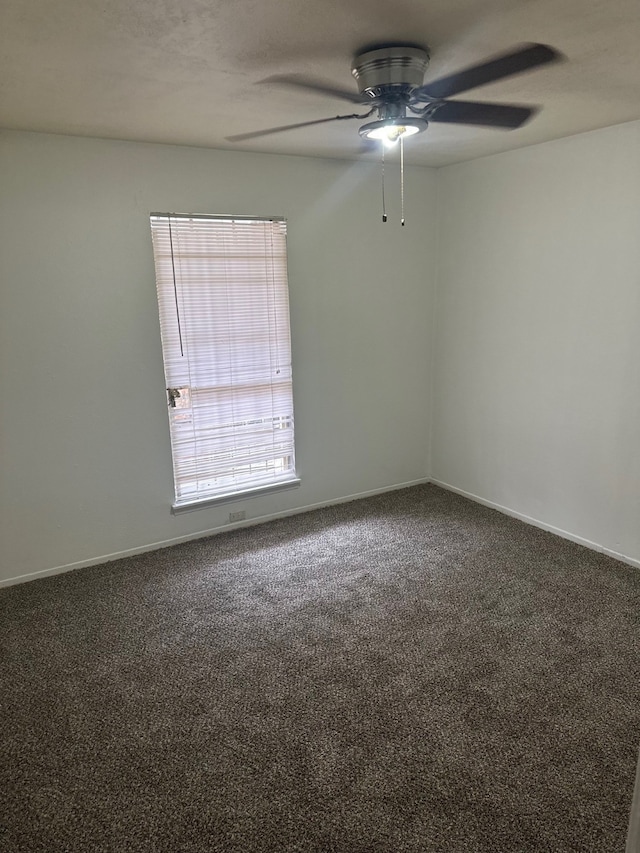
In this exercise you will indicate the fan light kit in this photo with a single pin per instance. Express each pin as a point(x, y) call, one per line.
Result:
point(390, 80)
point(391, 130)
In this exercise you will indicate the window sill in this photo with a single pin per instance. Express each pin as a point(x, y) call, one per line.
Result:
point(204, 503)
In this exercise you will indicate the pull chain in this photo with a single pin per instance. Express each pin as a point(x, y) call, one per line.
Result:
point(402, 181)
point(384, 208)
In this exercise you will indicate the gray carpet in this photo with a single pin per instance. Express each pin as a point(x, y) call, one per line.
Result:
point(410, 672)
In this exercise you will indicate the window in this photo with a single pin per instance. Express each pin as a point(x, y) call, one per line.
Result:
point(224, 318)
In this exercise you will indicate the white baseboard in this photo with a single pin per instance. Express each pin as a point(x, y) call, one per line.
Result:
point(250, 522)
point(565, 534)
point(203, 534)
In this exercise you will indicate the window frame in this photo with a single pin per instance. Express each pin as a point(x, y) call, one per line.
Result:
point(270, 282)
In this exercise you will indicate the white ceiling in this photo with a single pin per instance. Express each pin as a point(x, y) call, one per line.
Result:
point(188, 71)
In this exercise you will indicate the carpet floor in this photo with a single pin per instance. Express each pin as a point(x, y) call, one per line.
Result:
point(409, 672)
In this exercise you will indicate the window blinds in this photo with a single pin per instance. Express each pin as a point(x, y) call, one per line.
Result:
point(224, 318)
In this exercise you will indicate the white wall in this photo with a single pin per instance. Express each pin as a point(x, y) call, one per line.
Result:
point(536, 396)
point(85, 456)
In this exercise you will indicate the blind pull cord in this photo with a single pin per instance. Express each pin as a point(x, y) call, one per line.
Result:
point(175, 290)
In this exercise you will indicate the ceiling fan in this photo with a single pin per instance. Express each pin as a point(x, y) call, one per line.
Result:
point(390, 80)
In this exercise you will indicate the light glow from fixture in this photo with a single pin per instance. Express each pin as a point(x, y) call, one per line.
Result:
point(391, 130)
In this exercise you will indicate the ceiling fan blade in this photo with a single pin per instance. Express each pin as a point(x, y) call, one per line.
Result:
point(239, 137)
point(524, 58)
point(310, 85)
point(507, 116)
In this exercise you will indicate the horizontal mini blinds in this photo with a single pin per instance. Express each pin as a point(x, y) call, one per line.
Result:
point(224, 316)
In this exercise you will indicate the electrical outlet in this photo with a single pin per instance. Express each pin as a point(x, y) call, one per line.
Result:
point(237, 516)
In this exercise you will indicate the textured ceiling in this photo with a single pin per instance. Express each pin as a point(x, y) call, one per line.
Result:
point(187, 71)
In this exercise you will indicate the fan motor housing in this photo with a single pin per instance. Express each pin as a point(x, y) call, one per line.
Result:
point(395, 66)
